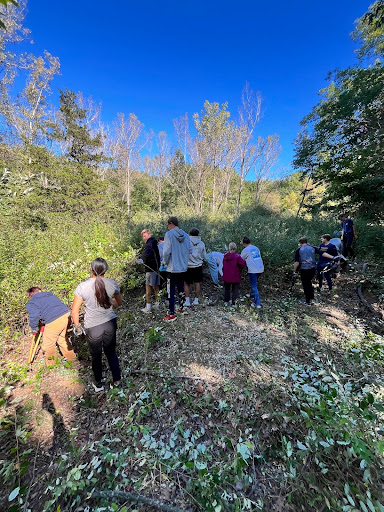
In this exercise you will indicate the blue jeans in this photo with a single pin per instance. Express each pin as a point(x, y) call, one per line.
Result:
point(255, 292)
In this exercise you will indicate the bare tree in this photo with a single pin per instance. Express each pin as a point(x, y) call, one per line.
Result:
point(126, 150)
point(268, 151)
point(28, 114)
point(249, 116)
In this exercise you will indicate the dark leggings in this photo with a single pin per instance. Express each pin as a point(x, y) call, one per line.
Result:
point(235, 291)
point(103, 337)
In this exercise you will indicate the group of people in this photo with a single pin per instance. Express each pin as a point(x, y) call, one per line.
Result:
point(178, 258)
point(328, 250)
point(174, 261)
point(99, 295)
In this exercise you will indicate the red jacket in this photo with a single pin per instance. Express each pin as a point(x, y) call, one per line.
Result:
point(232, 265)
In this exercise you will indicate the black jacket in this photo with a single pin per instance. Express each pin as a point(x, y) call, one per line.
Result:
point(151, 256)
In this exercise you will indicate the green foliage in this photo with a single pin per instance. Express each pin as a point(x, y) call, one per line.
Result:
point(342, 145)
point(370, 31)
point(342, 142)
point(334, 446)
point(82, 147)
point(55, 259)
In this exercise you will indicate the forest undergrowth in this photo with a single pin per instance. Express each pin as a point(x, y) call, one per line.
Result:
point(225, 409)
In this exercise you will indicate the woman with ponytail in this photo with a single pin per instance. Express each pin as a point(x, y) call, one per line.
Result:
point(99, 295)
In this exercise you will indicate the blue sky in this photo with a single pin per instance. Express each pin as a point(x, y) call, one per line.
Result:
point(162, 59)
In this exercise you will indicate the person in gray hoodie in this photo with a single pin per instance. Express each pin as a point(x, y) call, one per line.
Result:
point(194, 274)
point(176, 251)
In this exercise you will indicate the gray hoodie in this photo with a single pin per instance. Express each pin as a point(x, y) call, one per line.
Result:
point(198, 253)
point(177, 247)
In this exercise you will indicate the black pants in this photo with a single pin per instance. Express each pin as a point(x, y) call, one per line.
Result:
point(99, 338)
point(347, 246)
point(327, 276)
point(163, 280)
point(176, 280)
point(306, 278)
point(235, 291)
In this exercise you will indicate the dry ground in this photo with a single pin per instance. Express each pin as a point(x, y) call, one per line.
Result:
point(214, 370)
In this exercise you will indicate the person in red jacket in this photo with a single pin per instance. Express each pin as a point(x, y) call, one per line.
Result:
point(233, 263)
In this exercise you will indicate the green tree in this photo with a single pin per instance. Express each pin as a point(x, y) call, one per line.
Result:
point(72, 132)
point(369, 31)
point(342, 143)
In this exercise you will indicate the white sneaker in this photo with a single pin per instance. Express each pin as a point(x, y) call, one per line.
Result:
point(156, 305)
point(145, 310)
point(196, 301)
point(187, 302)
point(98, 387)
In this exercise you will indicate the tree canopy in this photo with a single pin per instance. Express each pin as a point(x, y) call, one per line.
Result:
point(341, 144)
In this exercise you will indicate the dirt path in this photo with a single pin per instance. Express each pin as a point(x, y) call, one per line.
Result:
point(216, 372)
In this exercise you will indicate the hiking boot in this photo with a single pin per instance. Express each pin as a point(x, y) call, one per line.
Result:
point(170, 318)
point(196, 302)
point(98, 387)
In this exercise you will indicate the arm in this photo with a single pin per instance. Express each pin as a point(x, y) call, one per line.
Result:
point(167, 249)
point(296, 265)
point(34, 316)
point(77, 302)
point(117, 300)
point(241, 263)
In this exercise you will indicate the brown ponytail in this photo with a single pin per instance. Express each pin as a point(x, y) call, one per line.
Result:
point(99, 267)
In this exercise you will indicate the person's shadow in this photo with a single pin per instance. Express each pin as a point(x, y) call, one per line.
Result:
point(60, 433)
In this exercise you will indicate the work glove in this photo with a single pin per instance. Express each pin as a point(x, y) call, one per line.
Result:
point(78, 330)
point(294, 273)
point(139, 261)
point(163, 268)
point(356, 237)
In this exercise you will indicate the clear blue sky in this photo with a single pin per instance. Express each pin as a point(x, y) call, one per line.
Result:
point(162, 59)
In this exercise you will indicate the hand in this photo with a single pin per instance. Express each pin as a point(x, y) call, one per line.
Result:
point(78, 330)
point(341, 238)
point(139, 261)
point(294, 273)
point(356, 236)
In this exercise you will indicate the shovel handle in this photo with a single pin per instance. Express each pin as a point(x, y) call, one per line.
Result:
point(34, 347)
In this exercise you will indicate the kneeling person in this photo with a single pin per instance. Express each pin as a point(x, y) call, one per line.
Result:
point(194, 274)
point(47, 308)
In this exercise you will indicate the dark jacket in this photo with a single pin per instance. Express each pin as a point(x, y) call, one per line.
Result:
point(232, 265)
point(151, 256)
point(46, 307)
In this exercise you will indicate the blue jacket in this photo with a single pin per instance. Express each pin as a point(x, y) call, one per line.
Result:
point(46, 307)
point(176, 251)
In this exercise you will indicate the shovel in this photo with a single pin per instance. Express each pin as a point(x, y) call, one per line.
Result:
point(35, 345)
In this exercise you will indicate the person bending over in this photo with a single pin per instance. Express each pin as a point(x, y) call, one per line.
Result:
point(48, 309)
